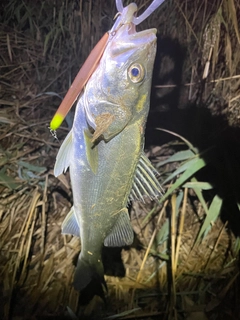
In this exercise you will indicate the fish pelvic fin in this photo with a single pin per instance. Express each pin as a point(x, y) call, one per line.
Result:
point(91, 151)
point(87, 272)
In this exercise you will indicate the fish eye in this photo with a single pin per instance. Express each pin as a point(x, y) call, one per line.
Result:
point(136, 72)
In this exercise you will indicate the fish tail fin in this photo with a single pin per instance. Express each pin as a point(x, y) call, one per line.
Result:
point(88, 271)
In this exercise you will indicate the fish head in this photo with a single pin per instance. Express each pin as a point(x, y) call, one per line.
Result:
point(127, 64)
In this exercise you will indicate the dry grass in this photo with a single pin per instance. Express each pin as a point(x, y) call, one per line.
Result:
point(168, 274)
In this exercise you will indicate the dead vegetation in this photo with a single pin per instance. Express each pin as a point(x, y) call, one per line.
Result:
point(185, 264)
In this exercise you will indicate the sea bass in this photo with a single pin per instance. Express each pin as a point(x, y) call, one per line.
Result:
point(104, 149)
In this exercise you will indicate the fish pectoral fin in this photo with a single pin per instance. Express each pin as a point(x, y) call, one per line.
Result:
point(122, 232)
point(91, 152)
point(63, 156)
point(70, 224)
point(145, 182)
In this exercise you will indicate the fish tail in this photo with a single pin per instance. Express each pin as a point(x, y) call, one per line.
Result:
point(88, 271)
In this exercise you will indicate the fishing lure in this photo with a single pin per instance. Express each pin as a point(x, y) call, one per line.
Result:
point(81, 79)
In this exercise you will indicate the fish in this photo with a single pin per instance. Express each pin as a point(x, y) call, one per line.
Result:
point(105, 148)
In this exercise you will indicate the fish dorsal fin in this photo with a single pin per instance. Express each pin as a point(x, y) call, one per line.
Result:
point(145, 182)
point(70, 224)
point(122, 232)
point(63, 156)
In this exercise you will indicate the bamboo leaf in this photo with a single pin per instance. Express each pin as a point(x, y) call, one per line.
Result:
point(200, 197)
point(213, 213)
point(31, 167)
point(163, 233)
point(198, 185)
point(188, 143)
point(7, 181)
point(193, 166)
point(179, 156)
point(150, 213)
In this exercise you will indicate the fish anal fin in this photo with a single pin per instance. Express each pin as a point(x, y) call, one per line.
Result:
point(145, 182)
point(122, 232)
point(70, 224)
point(63, 156)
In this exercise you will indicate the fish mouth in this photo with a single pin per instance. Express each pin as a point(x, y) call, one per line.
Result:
point(126, 38)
